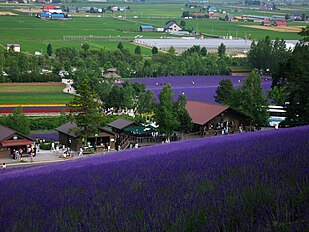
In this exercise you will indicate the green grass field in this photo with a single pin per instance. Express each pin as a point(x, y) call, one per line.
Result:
point(34, 34)
point(33, 93)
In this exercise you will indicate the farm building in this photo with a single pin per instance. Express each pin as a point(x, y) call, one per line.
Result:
point(15, 47)
point(172, 27)
point(280, 23)
point(10, 140)
point(120, 124)
point(196, 15)
point(230, 18)
point(212, 119)
point(49, 7)
point(266, 23)
point(239, 71)
point(213, 16)
point(111, 73)
point(146, 28)
point(296, 16)
point(68, 138)
point(212, 9)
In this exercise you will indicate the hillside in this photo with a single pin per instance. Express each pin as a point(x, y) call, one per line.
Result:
point(246, 182)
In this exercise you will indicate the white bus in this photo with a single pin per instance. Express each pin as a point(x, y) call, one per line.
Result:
point(277, 115)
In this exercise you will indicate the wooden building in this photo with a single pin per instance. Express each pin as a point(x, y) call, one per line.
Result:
point(68, 138)
point(12, 140)
point(214, 119)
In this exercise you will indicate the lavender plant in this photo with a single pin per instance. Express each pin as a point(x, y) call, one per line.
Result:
point(244, 182)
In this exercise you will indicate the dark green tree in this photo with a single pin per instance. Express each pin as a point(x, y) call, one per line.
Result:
point(120, 46)
point(146, 102)
point(138, 50)
point(182, 23)
point(85, 46)
point(86, 110)
point(19, 121)
point(154, 50)
point(221, 49)
point(185, 121)
point(204, 51)
point(49, 49)
point(166, 117)
point(224, 91)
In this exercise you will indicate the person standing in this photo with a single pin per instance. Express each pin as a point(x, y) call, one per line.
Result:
point(3, 166)
point(80, 151)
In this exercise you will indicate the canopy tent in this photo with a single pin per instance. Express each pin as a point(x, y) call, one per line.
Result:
point(135, 129)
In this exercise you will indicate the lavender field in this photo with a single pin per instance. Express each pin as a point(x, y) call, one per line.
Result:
point(199, 88)
point(244, 182)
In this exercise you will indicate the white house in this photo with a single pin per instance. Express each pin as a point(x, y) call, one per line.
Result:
point(172, 27)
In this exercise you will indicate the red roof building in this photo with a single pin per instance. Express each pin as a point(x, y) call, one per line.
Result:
point(49, 7)
point(266, 23)
point(213, 16)
point(196, 15)
point(280, 23)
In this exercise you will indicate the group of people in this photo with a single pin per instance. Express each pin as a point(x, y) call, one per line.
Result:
point(30, 152)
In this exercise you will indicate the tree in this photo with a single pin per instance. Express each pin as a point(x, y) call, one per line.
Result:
point(49, 49)
point(85, 46)
point(166, 117)
point(204, 51)
point(186, 14)
point(278, 95)
point(138, 50)
point(185, 121)
point(251, 100)
point(171, 50)
point(146, 102)
point(293, 75)
point(182, 23)
point(86, 111)
point(154, 50)
point(224, 91)
point(19, 122)
point(221, 49)
point(120, 46)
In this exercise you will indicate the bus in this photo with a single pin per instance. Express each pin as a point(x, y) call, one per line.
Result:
point(277, 115)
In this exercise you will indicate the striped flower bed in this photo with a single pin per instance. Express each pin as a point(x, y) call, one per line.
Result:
point(34, 108)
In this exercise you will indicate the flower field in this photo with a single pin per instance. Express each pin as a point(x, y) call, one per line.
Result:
point(34, 108)
point(244, 182)
point(199, 88)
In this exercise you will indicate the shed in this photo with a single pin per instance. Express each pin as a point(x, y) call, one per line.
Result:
point(10, 140)
point(239, 71)
point(146, 28)
point(213, 16)
point(68, 137)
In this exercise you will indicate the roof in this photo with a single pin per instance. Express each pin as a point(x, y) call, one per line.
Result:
point(67, 129)
point(146, 27)
point(6, 133)
point(202, 112)
point(266, 21)
point(121, 123)
point(280, 22)
point(167, 26)
point(213, 15)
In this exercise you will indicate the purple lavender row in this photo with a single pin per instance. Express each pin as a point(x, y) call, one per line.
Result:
point(49, 137)
point(243, 182)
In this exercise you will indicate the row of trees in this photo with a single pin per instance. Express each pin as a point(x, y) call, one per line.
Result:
point(20, 67)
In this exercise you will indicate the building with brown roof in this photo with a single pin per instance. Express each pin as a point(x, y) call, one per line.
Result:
point(10, 140)
point(68, 138)
point(211, 118)
point(120, 124)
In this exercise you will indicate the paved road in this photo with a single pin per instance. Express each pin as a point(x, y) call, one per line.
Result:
point(42, 157)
